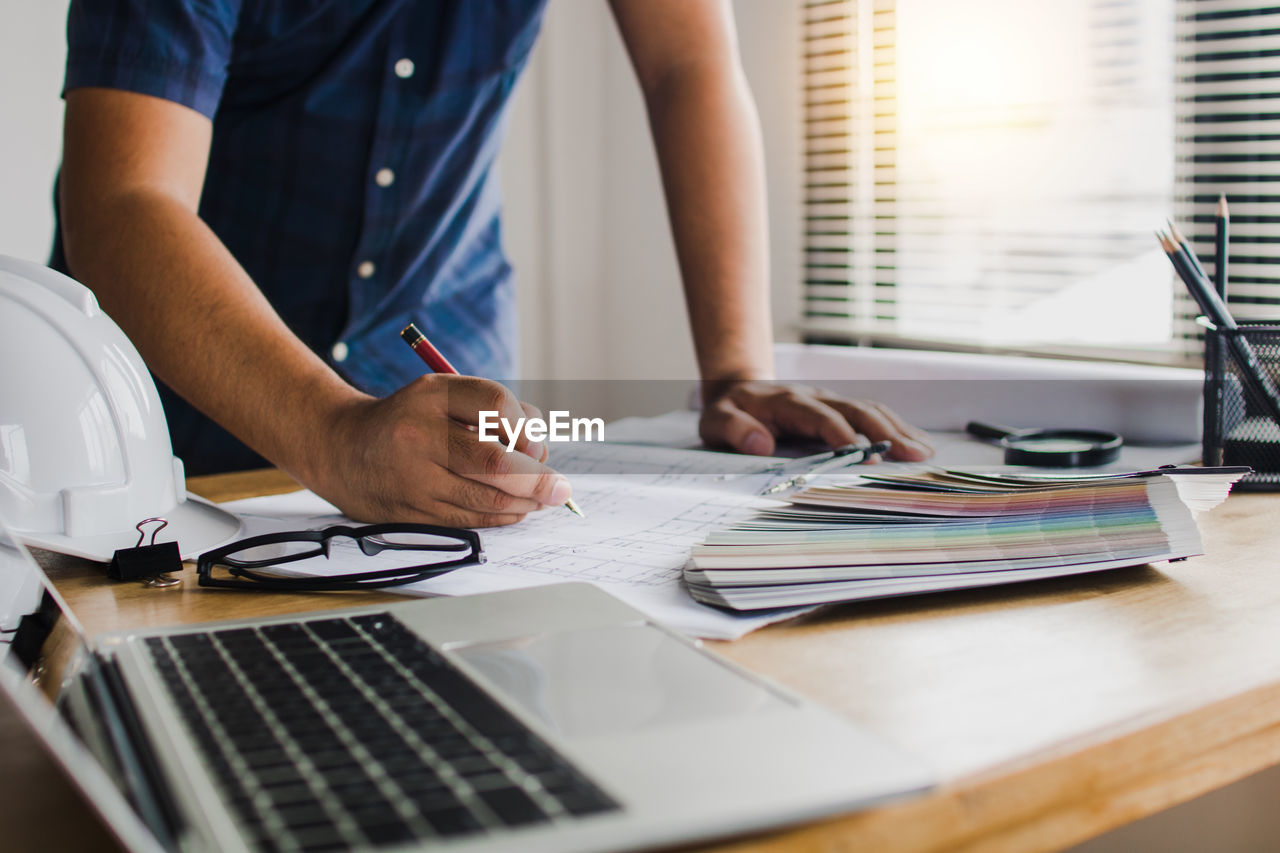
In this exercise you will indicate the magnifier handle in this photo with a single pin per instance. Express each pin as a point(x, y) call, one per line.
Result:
point(990, 432)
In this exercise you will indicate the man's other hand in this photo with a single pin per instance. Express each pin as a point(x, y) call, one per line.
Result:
point(751, 416)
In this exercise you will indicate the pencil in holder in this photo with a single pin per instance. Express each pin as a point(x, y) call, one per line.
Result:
point(1237, 429)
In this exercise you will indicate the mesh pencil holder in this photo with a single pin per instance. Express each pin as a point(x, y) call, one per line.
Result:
point(1236, 429)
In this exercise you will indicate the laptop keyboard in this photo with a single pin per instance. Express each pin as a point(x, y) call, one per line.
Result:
point(338, 733)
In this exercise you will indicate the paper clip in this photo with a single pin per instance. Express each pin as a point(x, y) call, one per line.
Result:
point(142, 534)
point(149, 563)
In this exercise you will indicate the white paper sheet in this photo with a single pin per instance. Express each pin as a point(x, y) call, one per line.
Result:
point(633, 543)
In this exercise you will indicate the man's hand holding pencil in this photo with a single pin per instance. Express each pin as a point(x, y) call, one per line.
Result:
point(415, 456)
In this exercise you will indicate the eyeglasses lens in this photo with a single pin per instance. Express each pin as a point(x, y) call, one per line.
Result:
point(277, 551)
point(425, 541)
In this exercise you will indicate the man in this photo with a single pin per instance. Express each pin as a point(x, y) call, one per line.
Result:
point(262, 194)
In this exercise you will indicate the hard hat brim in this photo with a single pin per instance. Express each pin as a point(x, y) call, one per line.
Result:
point(197, 525)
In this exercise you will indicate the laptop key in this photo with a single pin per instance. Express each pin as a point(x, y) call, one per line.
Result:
point(474, 765)
point(536, 762)
point(375, 623)
point(251, 739)
point(455, 748)
point(331, 758)
point(239, 637)
point(318, 838)
point(513, 806)
point(582, 803)
point(422, 784)
point(283, 795)
point(263, 843)
point(270, 756)
point(284, 631)
point(453, 821)
point(489, 780)
point(374, 813)
point(304, 814)
point(440, 799)
point(353, 793)
point(332, 629)
point(388, 833)
point(279, 775)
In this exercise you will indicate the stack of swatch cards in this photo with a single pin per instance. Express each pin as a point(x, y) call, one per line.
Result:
point(931, 529)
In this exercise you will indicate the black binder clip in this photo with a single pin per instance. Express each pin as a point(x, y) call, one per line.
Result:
point(148, 563)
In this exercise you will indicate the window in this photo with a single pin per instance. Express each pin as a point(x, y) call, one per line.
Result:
point(988, 174)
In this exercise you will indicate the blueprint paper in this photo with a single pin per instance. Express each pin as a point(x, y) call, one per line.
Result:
point(634, 542)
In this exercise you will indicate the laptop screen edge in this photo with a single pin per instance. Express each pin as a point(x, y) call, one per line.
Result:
point(79, 764)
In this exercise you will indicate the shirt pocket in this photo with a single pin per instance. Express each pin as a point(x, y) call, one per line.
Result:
point(463, 42)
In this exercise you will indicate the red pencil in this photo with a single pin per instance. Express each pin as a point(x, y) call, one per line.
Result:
point(439, 364)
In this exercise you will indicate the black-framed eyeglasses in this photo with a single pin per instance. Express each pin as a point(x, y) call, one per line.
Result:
point(242, 560)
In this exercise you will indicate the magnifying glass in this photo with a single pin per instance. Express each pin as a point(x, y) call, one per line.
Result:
point(1051, 448)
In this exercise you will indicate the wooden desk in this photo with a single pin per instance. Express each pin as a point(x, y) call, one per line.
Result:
point(1054, 711)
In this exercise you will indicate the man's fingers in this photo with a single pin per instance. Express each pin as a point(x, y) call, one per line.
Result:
point(481, 497)
point(800, 414)
point(461, 516)
point(537, 449)
point(879, 423)
point(491, 407)
point(864, 417)
point(513, 473)
point(918, 436)
point(457, 501)
point(723, 423)
point(903, 427)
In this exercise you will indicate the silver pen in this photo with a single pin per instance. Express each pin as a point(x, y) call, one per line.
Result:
point(850, 454)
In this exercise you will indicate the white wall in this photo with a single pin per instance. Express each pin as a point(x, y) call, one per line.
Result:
point(33, 50)
point(587, 231)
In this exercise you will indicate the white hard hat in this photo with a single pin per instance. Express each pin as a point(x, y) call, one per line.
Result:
point(84, 447)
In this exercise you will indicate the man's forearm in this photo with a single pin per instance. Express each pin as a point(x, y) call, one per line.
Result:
point(201, 324)
point(132, 173)
point(708, 141)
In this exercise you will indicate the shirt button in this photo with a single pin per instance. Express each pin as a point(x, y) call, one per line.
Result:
point(340, 351)
point(404, 68)
point(365, 270)
point(384, 177)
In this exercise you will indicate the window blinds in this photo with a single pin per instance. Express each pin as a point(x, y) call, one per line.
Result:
point(1228, 141)
point(849, 147)
point(1016, 208)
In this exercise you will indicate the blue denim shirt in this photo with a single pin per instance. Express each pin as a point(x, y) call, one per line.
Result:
point(350, 171)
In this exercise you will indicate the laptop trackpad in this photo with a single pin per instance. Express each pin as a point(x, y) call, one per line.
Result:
point(602, 681)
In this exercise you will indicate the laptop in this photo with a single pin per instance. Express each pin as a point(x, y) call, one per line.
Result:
point(552, 718)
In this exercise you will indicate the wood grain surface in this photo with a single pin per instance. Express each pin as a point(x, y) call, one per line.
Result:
point(1053, 711)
